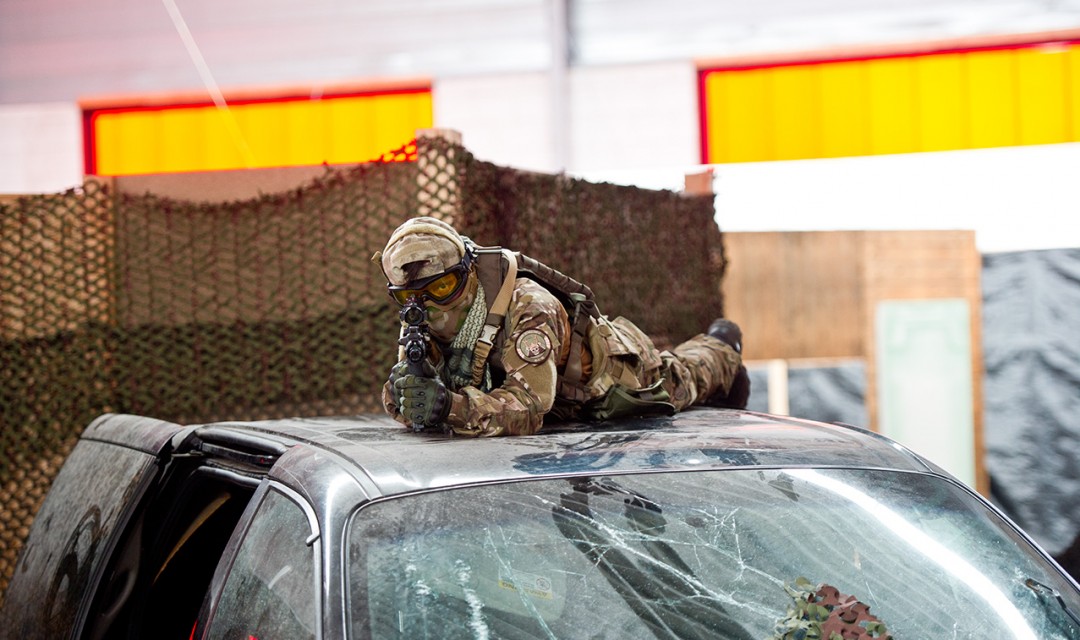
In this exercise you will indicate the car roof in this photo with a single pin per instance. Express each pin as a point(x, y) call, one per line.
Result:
point(397, 460)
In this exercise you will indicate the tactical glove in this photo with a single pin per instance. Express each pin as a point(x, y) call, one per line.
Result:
point(422, 400)
point(397, 371)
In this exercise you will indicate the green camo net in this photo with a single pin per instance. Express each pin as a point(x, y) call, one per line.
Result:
point(271, 307)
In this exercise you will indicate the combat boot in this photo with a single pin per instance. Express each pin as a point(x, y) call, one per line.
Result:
point(727, 332)
point(730, 334)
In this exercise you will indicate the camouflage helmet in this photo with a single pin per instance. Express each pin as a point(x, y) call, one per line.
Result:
point(433, 245)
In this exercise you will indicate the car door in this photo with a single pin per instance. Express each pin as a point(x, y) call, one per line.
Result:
point(74, 533)
point(267, 584)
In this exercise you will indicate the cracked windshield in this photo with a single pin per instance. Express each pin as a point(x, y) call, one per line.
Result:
point(733, 554)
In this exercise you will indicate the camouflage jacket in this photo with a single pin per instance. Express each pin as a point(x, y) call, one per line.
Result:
point(532, 344)
point(532, 350)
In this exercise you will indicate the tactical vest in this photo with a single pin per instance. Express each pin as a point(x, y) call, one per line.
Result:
point(497, 269)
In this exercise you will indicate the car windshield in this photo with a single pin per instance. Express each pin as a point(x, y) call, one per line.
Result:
point(713, 554)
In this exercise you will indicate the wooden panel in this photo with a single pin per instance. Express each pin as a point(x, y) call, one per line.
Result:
point(753, 293)
point(796, 295)
point(911, 265)
point(815, 294)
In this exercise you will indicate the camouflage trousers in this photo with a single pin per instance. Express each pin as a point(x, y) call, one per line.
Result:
point(690, 373)
point(697, 369)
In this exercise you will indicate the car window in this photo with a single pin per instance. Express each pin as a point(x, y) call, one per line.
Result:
point(270, 591)
point(72, 535)
point(721, 554)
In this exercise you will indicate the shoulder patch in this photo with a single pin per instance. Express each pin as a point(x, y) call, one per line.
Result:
point(533, 346)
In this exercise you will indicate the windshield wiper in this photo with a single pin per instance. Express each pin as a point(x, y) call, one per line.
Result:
point(1044, 592)
point(665, 593)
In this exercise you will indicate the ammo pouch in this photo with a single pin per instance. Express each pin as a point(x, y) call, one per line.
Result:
point(626, 376)
point(621, 402)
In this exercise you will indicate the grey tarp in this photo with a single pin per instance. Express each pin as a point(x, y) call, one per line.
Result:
point(1031, 392)
point(1031, 350)
point(833, 393)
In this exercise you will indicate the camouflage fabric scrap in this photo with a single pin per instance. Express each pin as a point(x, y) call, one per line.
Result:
point(823, 613)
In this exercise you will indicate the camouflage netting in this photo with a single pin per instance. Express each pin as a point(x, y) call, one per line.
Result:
point(652, 256)
point(271, 307)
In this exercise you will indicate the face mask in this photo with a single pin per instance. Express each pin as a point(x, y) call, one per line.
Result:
point(445, 320)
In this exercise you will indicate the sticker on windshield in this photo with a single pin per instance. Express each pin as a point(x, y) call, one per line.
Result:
point(532, 584)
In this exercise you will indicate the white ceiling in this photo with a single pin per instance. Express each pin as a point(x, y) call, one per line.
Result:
point(65, 50)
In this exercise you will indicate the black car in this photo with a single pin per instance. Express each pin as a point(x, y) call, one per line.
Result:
point(709, 524)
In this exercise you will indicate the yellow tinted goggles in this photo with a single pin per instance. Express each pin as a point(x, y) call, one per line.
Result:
point(440, 288)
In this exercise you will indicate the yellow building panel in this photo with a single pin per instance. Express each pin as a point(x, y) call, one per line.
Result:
point(107, 131)
point(419, 108)
point(715, 99)
point(992, 105)
point(979, 98)
point(259, 134)
point(1073, 100)
point(796, 111)
point(304, 135)
point(1041, 94)
point(741, 129)
point(396, 117)
point(263, 126)
point(225, 143)
point(893, 113)
point(845, 121)
point(352, 125)
point(129, 134)
point(942, 102)
point(182, 132)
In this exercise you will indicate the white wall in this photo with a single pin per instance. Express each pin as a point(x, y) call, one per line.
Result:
point(620, 117)
point(633, 116)
point(67, 50)
point(1015, 198)
point(630, 89)
point(500, 117)
point(40, 147)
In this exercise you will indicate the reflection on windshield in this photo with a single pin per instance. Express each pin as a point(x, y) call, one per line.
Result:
point(655, 583)
point(739, 554)
point(922, 543)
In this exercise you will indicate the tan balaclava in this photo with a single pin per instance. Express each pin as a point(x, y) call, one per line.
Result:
point(423, 247)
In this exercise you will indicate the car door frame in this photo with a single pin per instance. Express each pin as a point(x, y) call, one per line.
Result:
point(328, 488)
point(154, 438)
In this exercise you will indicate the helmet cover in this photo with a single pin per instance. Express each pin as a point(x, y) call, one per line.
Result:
point(433, 245)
